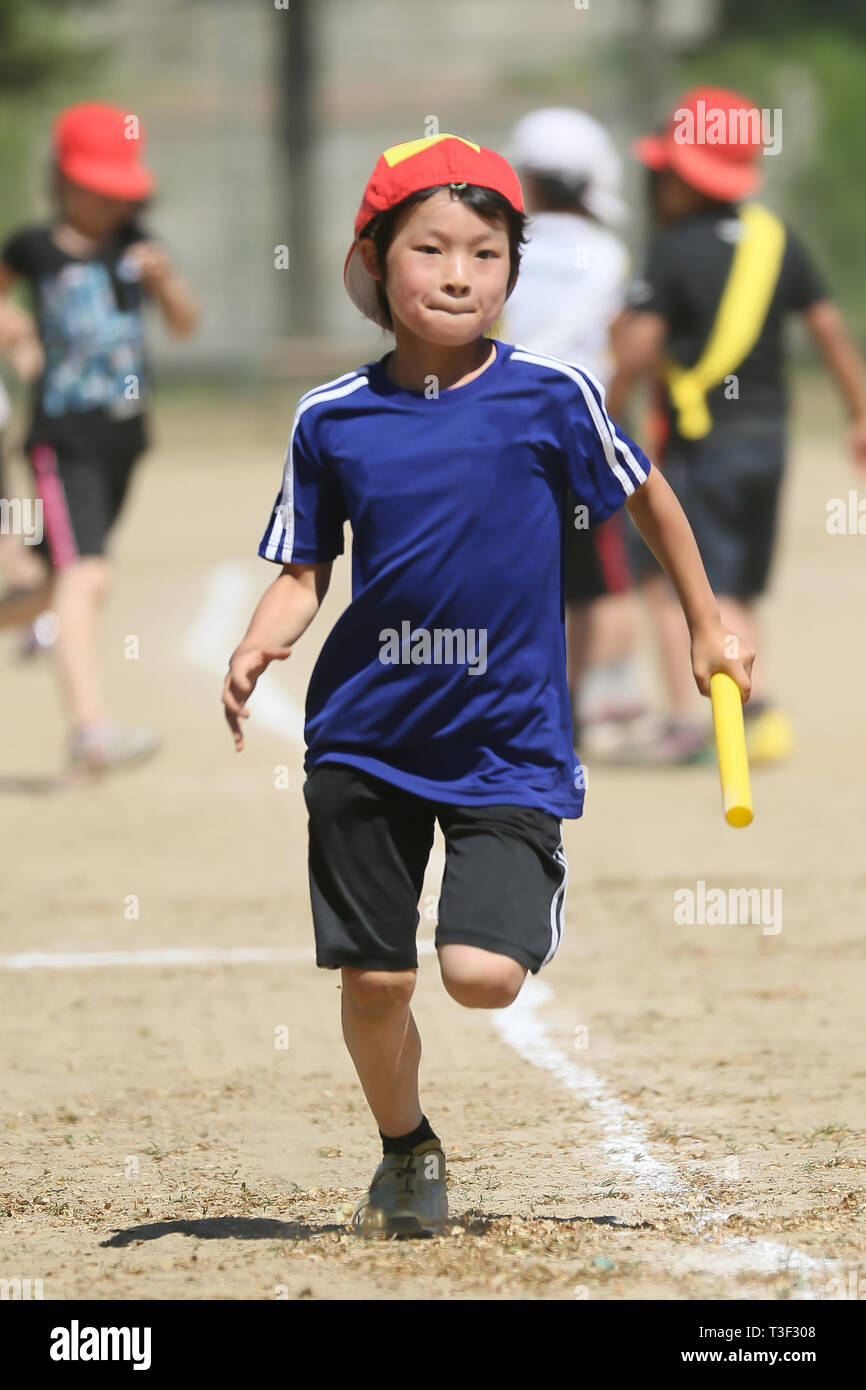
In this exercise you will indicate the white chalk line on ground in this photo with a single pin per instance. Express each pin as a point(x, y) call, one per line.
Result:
point(522, 1029)
point(171, 955)
point(625, 1147)
point(208, 644)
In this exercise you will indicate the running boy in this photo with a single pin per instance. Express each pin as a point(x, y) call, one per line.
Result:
point(441, 693)
point(89, 272)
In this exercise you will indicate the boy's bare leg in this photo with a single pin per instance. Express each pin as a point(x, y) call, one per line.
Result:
point(384, 1044)
point(79, 592)
point(380, 1031)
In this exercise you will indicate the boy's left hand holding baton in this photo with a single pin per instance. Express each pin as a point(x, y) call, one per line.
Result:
point(660, 519)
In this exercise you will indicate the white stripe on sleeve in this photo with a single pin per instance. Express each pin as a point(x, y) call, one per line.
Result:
point(281, 540)
point(618, 455)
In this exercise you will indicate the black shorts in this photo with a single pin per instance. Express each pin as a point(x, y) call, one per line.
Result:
point(503, 888)
point(82, 488)
point(596, 561)
point(729, 489)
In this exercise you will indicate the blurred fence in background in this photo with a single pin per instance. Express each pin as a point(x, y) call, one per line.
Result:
point(212, 80)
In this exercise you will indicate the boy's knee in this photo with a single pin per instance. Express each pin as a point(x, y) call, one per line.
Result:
point(376, 993)
point(492, 985)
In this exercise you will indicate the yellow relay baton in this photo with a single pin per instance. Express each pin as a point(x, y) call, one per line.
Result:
point(731, 748)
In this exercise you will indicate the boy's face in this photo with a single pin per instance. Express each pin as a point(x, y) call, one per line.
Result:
point(447, 270)
point(93, 214)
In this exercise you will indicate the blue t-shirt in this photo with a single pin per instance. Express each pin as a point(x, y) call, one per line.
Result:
point(446, 674)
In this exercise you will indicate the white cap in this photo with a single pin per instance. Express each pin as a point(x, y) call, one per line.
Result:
point(570, 145)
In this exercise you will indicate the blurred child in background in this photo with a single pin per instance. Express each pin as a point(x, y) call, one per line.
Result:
point(707, 318)
point(89, 271)
point(572, 288)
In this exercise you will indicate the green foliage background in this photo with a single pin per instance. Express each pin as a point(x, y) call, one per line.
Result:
point(42, 60)
point(825, 198)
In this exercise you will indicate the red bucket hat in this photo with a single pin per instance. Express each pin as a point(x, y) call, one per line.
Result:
point(100, 147)
point(406, 168)
point(713, 141)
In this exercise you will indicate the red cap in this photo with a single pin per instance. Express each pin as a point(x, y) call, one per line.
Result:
point(713, 141)
point(406, 168)
point(99, 147)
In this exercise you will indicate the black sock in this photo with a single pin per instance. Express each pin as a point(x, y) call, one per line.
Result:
point(405, 1143)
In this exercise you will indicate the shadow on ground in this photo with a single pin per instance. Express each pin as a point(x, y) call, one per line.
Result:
point(224, 1228)
point(262, 1228)
point(31, 786)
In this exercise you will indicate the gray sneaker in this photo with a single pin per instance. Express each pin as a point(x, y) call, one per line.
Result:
point(407, 1196)
point(98, 748)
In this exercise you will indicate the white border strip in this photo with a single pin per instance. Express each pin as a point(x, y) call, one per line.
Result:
point(179, 955)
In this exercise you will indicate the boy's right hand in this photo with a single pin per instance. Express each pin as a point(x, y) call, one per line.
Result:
point(245, 667)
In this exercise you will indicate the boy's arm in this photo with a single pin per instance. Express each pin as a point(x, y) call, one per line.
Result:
point(830, 332)
point(283, 614)
point(662, 523)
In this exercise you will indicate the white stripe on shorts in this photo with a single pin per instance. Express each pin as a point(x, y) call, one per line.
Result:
point(557, 907)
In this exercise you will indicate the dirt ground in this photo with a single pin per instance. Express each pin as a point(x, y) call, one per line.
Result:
point(159, 1143)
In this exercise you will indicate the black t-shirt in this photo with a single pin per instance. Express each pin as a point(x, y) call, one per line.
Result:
point(687, 268)
point(89, 313)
